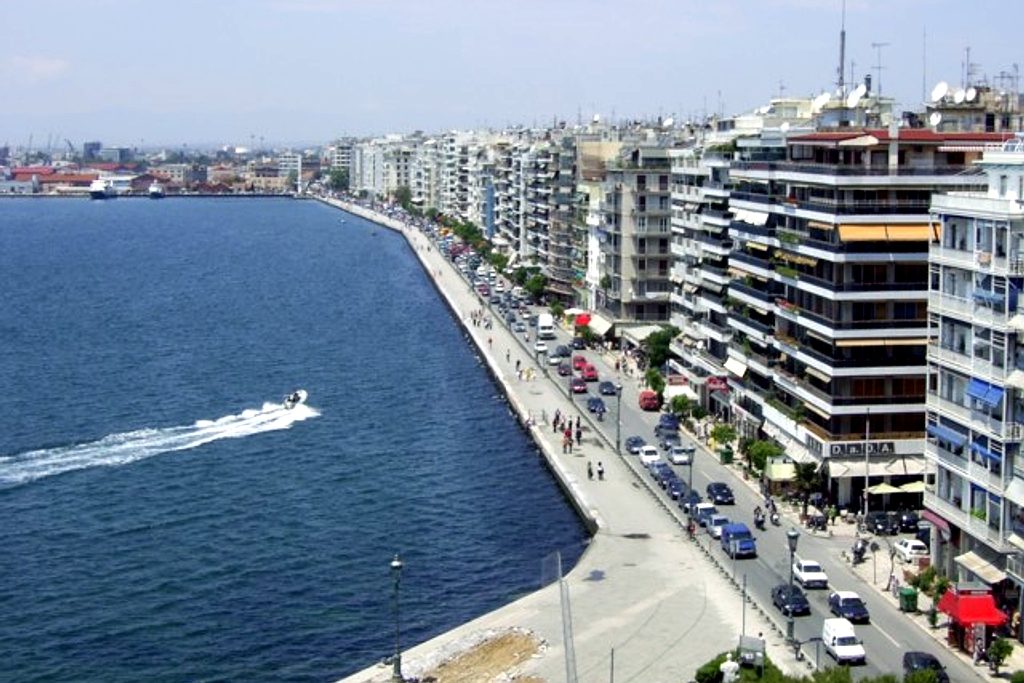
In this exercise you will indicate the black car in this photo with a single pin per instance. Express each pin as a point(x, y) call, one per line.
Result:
point(689, 500)
point(915, 661)
point(579, 343)
point(607, 388)
point(668, 420)
point(790, 600)
point(849, 606)
point(563, 351)
point(675, 487)
point(661, 430)
point(633, 444)
point(908, 521)
point(719, 493)
point(881, 524)
point(595, 405)
point(670, 439)
point(564, 369)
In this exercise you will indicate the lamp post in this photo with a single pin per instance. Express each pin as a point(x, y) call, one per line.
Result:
point(792, 537)
point(618, 419)
point(396, 575)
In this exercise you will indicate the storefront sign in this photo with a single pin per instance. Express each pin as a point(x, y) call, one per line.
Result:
point(854, 449)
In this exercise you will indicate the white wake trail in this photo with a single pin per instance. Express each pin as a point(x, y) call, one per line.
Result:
point(128, 447)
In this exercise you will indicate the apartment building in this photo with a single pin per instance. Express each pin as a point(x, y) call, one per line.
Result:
point(975, 415)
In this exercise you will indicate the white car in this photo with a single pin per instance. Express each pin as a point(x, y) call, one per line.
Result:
point(809, 574)
point(540, 347)
point(681, 455)
point(910, 549)
point(649, 455)
point(715, 524)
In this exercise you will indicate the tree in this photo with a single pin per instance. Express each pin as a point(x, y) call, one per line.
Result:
point(656, 382)
point(723, 434)
point(403, 197)
point(760, 451)
point(657, 345)
point(806, 480)
point(998, 652)
point(338, 180)
point(558, 309)
point(536, 285)
point(681, 405)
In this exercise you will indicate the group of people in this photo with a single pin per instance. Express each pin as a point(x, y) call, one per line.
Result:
point(600, 471)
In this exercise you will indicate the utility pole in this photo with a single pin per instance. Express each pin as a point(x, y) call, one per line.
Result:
point(878, 67)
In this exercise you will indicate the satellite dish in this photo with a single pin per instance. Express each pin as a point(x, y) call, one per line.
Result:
point(959, 95)
point(935, 118)
point(784, 127)
point(970, 94)
point(597, 118)
point(667, 123)
point(853, 98)
point(939, 91)
point(820, 101)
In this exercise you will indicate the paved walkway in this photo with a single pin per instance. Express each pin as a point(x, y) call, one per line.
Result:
point(642, 595)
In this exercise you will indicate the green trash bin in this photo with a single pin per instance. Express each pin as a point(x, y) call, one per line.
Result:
point(725, 454)
point(908, 599)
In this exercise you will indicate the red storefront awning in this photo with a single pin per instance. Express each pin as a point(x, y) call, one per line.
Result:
point(967, 610)
point(930, 516)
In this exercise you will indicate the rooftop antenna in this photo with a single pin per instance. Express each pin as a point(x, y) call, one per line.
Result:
point(842, 53)
point(878, 67)
point(924, 59)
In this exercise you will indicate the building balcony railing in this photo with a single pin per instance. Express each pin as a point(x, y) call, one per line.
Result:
point(850, 170)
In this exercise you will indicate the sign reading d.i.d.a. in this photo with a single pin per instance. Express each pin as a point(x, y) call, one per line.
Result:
point(855, 448)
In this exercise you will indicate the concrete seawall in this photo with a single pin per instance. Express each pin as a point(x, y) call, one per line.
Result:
point(642, 596)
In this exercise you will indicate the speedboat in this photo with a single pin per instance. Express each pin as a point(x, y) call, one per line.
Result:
point(297, 397)
point(156, 190)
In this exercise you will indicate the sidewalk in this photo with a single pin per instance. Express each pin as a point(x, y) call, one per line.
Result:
point(642, 596)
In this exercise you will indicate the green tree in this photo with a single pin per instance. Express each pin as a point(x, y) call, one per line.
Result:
point(681, 405)
point(557, 309)
point(656, 382)
point(338, 180)
point(657, 345)
point(998, 652)
point(403, 196)
point(536, 285)
point(723, 434)
point(806, 479)
point(760, 451)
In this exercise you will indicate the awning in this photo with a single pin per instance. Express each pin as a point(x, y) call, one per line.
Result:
point(1016, 379)
point(780, 470)
point(599, 324)
point(913, 487)
point(985, 453)
point(947, 434)
point(690, 393)
point(673, 390)
point(883, 489)
point(906, 465)
point(820, 226)
point(859, 342)
point(932, 518)
point(736, 367)
point(755, 217)
point(909, 233)
point(814, 372)
point(967, 610)
point(1015, 491)
point(847, 469)
point(637, 335)
point(758, 246)
point(984, 570)
point(988, 394)
point(862, 233)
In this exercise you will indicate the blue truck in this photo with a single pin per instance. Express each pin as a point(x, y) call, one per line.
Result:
point(737, 541)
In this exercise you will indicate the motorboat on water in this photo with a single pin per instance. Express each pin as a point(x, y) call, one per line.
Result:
point(296, 398)
point(102, 189)
point(156, 190)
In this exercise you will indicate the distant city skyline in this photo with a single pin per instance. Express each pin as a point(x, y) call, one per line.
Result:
point(132, 73)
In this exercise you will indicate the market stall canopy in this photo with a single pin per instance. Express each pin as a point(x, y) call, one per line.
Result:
point(582, 319)
point(883, 488)
point(971, 609)
point(575, 311)
point(913, 487)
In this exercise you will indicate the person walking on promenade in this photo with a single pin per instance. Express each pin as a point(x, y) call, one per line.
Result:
point(579, 436)
point(600, 471)
point(590, 470)
point(518, 364)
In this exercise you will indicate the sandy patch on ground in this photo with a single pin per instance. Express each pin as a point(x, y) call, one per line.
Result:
point(496, 659)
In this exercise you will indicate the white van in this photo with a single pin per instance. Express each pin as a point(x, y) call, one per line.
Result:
point(841, 642)
point(545, 326)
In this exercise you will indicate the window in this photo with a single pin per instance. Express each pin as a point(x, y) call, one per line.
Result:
point(1003, 180)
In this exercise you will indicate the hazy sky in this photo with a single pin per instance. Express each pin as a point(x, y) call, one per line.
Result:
point(173, 72)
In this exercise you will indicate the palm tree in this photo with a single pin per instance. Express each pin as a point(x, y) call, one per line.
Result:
point(806, 479)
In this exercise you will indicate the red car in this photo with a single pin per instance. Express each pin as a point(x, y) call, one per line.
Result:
point(579, 385)
point(589, 373)
point(579, 362)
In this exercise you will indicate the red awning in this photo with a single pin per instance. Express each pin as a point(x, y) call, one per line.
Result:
point(935, 519)
point(971, 609)
point(582, 320)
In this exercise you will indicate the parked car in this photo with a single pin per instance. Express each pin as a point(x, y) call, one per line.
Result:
point(649, 455)
point(682, 454)
point(715, 524)
point(703, 511)
point(910, 549)
point(595, 404)
point(881, 523)
point(809, 574)
point(915, 660)
point(633, 443)
point(720, 493)
point(579, 386)
point(661, 430)
point(607, 388)
point(790, 600)
point(689, 501)
point(908, 521)
point(848, 605)
point(669, 440)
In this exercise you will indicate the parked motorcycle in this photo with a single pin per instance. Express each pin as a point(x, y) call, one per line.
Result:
point(860, 547)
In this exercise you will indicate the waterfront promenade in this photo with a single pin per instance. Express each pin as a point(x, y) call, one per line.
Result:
point(643, 600)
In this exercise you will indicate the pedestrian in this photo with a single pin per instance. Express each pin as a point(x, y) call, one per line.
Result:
point(518, 362)
point(577, 422)
point(579, 436)
point(590, 470)
point(508, 355)
point(554, 424)
point(565, 445)
point(600, 471)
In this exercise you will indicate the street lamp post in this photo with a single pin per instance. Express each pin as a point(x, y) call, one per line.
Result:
point(618, 419)
point(396, 575)
point(792, 537)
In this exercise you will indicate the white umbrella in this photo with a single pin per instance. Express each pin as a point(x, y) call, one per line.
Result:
point(574, 311)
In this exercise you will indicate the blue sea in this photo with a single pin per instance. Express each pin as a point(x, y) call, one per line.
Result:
point(164, 518)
